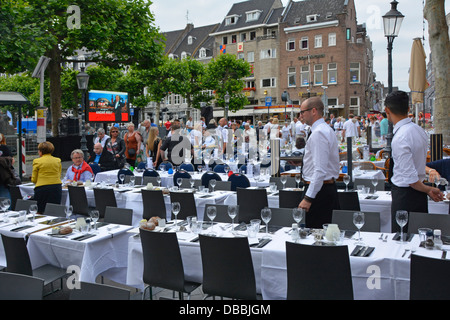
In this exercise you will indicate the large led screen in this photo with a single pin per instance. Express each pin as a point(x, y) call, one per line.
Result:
point(108, 106)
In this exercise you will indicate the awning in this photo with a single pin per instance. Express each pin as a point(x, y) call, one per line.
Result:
point(12, 99)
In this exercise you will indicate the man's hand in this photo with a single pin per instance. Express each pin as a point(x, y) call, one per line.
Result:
point(305, 205)
point(436, 195)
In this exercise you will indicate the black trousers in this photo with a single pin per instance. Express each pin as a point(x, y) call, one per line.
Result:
point(322, 207)
point(408, 199)
point(47, 194)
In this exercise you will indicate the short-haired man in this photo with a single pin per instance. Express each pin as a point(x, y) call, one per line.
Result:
point(103, 158)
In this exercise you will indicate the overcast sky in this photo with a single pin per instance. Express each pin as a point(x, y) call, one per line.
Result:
point(173, 15)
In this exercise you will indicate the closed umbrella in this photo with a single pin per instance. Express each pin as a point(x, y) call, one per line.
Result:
point(418, 73)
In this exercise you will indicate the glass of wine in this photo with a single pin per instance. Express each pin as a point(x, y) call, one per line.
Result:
point(298, 178)
point(358, 221)
point(283, 181)
point(212, 182)
point(176, 208)
point(33, 210)
point(298, 214)
point(121, 178)
point(346, 180)
point(266, 216)
point(179, 182)
point(211, 213)
point(232, 213)
point(69, 211)
point(95, 215)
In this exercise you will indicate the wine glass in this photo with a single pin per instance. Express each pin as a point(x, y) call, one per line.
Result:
point(374, 183)
point(176, 207)
point(158, 179)
point(200, 169)
point(191, 182)
point(212, 182)
point(33, 210)
point(232, 213)
point(68, 210)
point(132, 180)
point(266, 215)
point(179, 182)
point(122, 177)
point(95, 215)
point(298, 179)
point(226, 169)
point(346, 181)
point(298, 214)
point(401, 216)
point(283, 181)
point(6, 203)
point(358, 221)
point(211, 213)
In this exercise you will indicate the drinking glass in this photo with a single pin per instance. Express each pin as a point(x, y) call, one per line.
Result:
point(192, 182)
point(211, 213)
point(374, 183)
point(298, 179)
point(346, 181)
point(232, 213)
point(22, 216)
point(212, 182)
point(283, 181)
point(158, 179)
point(33, 210)
point(132, 180)
point(176, 207)
point(298, 214)
point(68, 210)
point(200, 169)
point(95, 215)
point(226, 169)
point(401, 216)
point(358, 221)
point(197, 226)
point(121, 178)
point(179, 182)
point(6, 203)
point(266, 216)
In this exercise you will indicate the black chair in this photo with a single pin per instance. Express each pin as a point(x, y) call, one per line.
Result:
point(238, 181)
point(282, 217)
point(14, 286)
point(187, 204)
point(429, 278)
point(349, 201)
point(221, 213)
point(119, 216)
point(98, 291)
point(167, 165)
point(150, 173)
point(251, 202)
point(55, 210)
point(222, 276)
point(104, 198)
point(209, 176)
point(137, 180)
point(153, 180)
point(344, 219)
point(153, 204)
point(290, 182)
point(162, 269)
point(418, 220)
point(126, 172)
point(187, 167)
point(18, 261)
point(15, 195)
point(221, 185)
point(220, 168)
point(185, 183)
point(180, 174)
point(310, 277)
point(368, 183)
point(289, 198)
point(78, 200)
point(24, 204)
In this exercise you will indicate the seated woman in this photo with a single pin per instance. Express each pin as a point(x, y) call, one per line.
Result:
point(79, 171)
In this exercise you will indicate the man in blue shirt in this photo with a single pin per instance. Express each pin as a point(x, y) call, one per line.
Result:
point(384, 126)
point(103, 158)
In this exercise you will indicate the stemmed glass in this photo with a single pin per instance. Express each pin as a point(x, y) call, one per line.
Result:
point(374, 183)
point(226, 169)
point(212, 182)
point(283, 181)
point(401, 216)
point(95, 215)
point(33, 210)
point(122, 177)
point(158, 179)
point(176, 207)
point(298, 214)
point(132, 180)
point(211, 212)
point(358, 221)
point(179, 182)
point(298, 179)
point(232, 213)
point(200, 169)
point(346, 181)
point(266, 215)
point(6, 203)
point(191, 182)
point(68, 210)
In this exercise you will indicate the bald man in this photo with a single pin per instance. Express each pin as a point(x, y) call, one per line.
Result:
point(103, 158)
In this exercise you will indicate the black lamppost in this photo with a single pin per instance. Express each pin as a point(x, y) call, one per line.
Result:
point(83, 81)
point(392, 21)
point(227, 104)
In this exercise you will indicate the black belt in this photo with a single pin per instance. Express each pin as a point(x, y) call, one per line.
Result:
point(331, 181)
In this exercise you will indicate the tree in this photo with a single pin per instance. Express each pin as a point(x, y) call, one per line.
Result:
point(434, 12)
point(116, 33)
point(225, 74)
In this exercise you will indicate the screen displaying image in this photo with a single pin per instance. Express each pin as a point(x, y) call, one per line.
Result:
point(108, 106)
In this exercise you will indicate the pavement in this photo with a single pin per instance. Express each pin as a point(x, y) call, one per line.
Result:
point(29, 167)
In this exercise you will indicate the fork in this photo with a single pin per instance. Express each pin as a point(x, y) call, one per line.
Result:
point(385, 238)
point(381, 236)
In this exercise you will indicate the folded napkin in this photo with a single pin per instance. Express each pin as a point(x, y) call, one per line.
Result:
point(372, 197)
point(83, 237)
point(261, 243)
point(53, 221)
point(406, 236)
point(362, 251)
point(21, 228)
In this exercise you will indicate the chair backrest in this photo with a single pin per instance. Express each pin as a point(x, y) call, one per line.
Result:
point(55, 210)
point(365, 165)
point(150, 173)
point(160, 268)
point(220, 168)
point(152, 180)
point(142, 165)
point(208, 176)
point(187, 203)
point(309, 276)
point(344, 220)
point(119, 216)
point(221, 185)
point(290, 182)
point(99, 291)
point(137, 179)
point(222, 213)
point(78, 200)
point(238, 181)
point(104, 198)
point(17, 257)
point(289, 198)
point(222, 276)
point(126, 172)
point(180, 174)
point(185, 183)
point(187, 167)
point(24, 204)
point(153, 204)
point(418, 220)
point(368, 183)
point(349, 200)
point(15, 286)
point(282, 217)
point(249, 210)
point(15, 194)
point(167, 164)
point(429, 278)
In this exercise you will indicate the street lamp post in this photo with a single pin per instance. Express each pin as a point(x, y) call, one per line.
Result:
point(392, 21)
point(83, 81)
point(227, 104)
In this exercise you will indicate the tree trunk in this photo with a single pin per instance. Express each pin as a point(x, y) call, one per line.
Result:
point(54, 68)
point(434, 13)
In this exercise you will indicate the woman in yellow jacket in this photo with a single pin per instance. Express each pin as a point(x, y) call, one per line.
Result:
point(47, 177)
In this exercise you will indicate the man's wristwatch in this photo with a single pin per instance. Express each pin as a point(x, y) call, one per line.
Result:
point(306, 198)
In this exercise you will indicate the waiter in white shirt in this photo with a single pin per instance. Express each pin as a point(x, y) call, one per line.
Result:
point(351, 128)
point(320, 166)
point(409, 153)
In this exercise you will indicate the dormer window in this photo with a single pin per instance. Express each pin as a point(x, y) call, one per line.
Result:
point(202, 53)
point(171, 56)
point(312, 18)
point(184, 55)
point(231, 20)
point(191, 40)
point(253, 15)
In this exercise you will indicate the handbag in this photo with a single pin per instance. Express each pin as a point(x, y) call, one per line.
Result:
point(131, 152)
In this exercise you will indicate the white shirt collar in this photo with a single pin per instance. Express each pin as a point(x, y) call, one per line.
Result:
point(401, 123)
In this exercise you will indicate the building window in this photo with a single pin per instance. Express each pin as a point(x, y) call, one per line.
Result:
point(177, 99)
point(292, 75)
point(190, 40)
point(318, 41)
point(354, 72)
point(233, 38)
point(241, 56)
point(269, 83)
point(250, 84)
point(169, 100)
point(231, 20)
point(331, 39)
point(250, 56)
point(304, 43)
point(253, 35)
point(268, 54)
point(202, 53)
point(253, 15)
point(290, 45)
point(332, 73)
point(354, 105)
point(311, 18)
point(318, 74)
point(349, 33)
point(243, 37)
point(304, 76)
point(225, 40)
point(333, 101)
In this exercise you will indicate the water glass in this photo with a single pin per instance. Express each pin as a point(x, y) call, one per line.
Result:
point(253, 228)
point(33, 210)
point(401, 216)
point(211, 212)
point(22, 217)
point(273, 187)
point(176, 207)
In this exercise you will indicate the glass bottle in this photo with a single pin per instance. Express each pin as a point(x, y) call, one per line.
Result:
point(429, 242)
point(437, 239)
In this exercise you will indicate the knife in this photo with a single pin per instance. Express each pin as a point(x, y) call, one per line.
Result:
point(364, 251)
point(444, 254)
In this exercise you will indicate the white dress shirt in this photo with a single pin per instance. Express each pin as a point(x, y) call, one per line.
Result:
point(321, 160)
point(409, 151)
point(351, 128)
point(97, 140)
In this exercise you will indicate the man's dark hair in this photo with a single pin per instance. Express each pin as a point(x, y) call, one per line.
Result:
point(300, 143)
point(384, 114)
point(398, 102)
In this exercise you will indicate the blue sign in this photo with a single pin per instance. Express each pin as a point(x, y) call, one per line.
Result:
point(131, 111)
point(268, 101)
